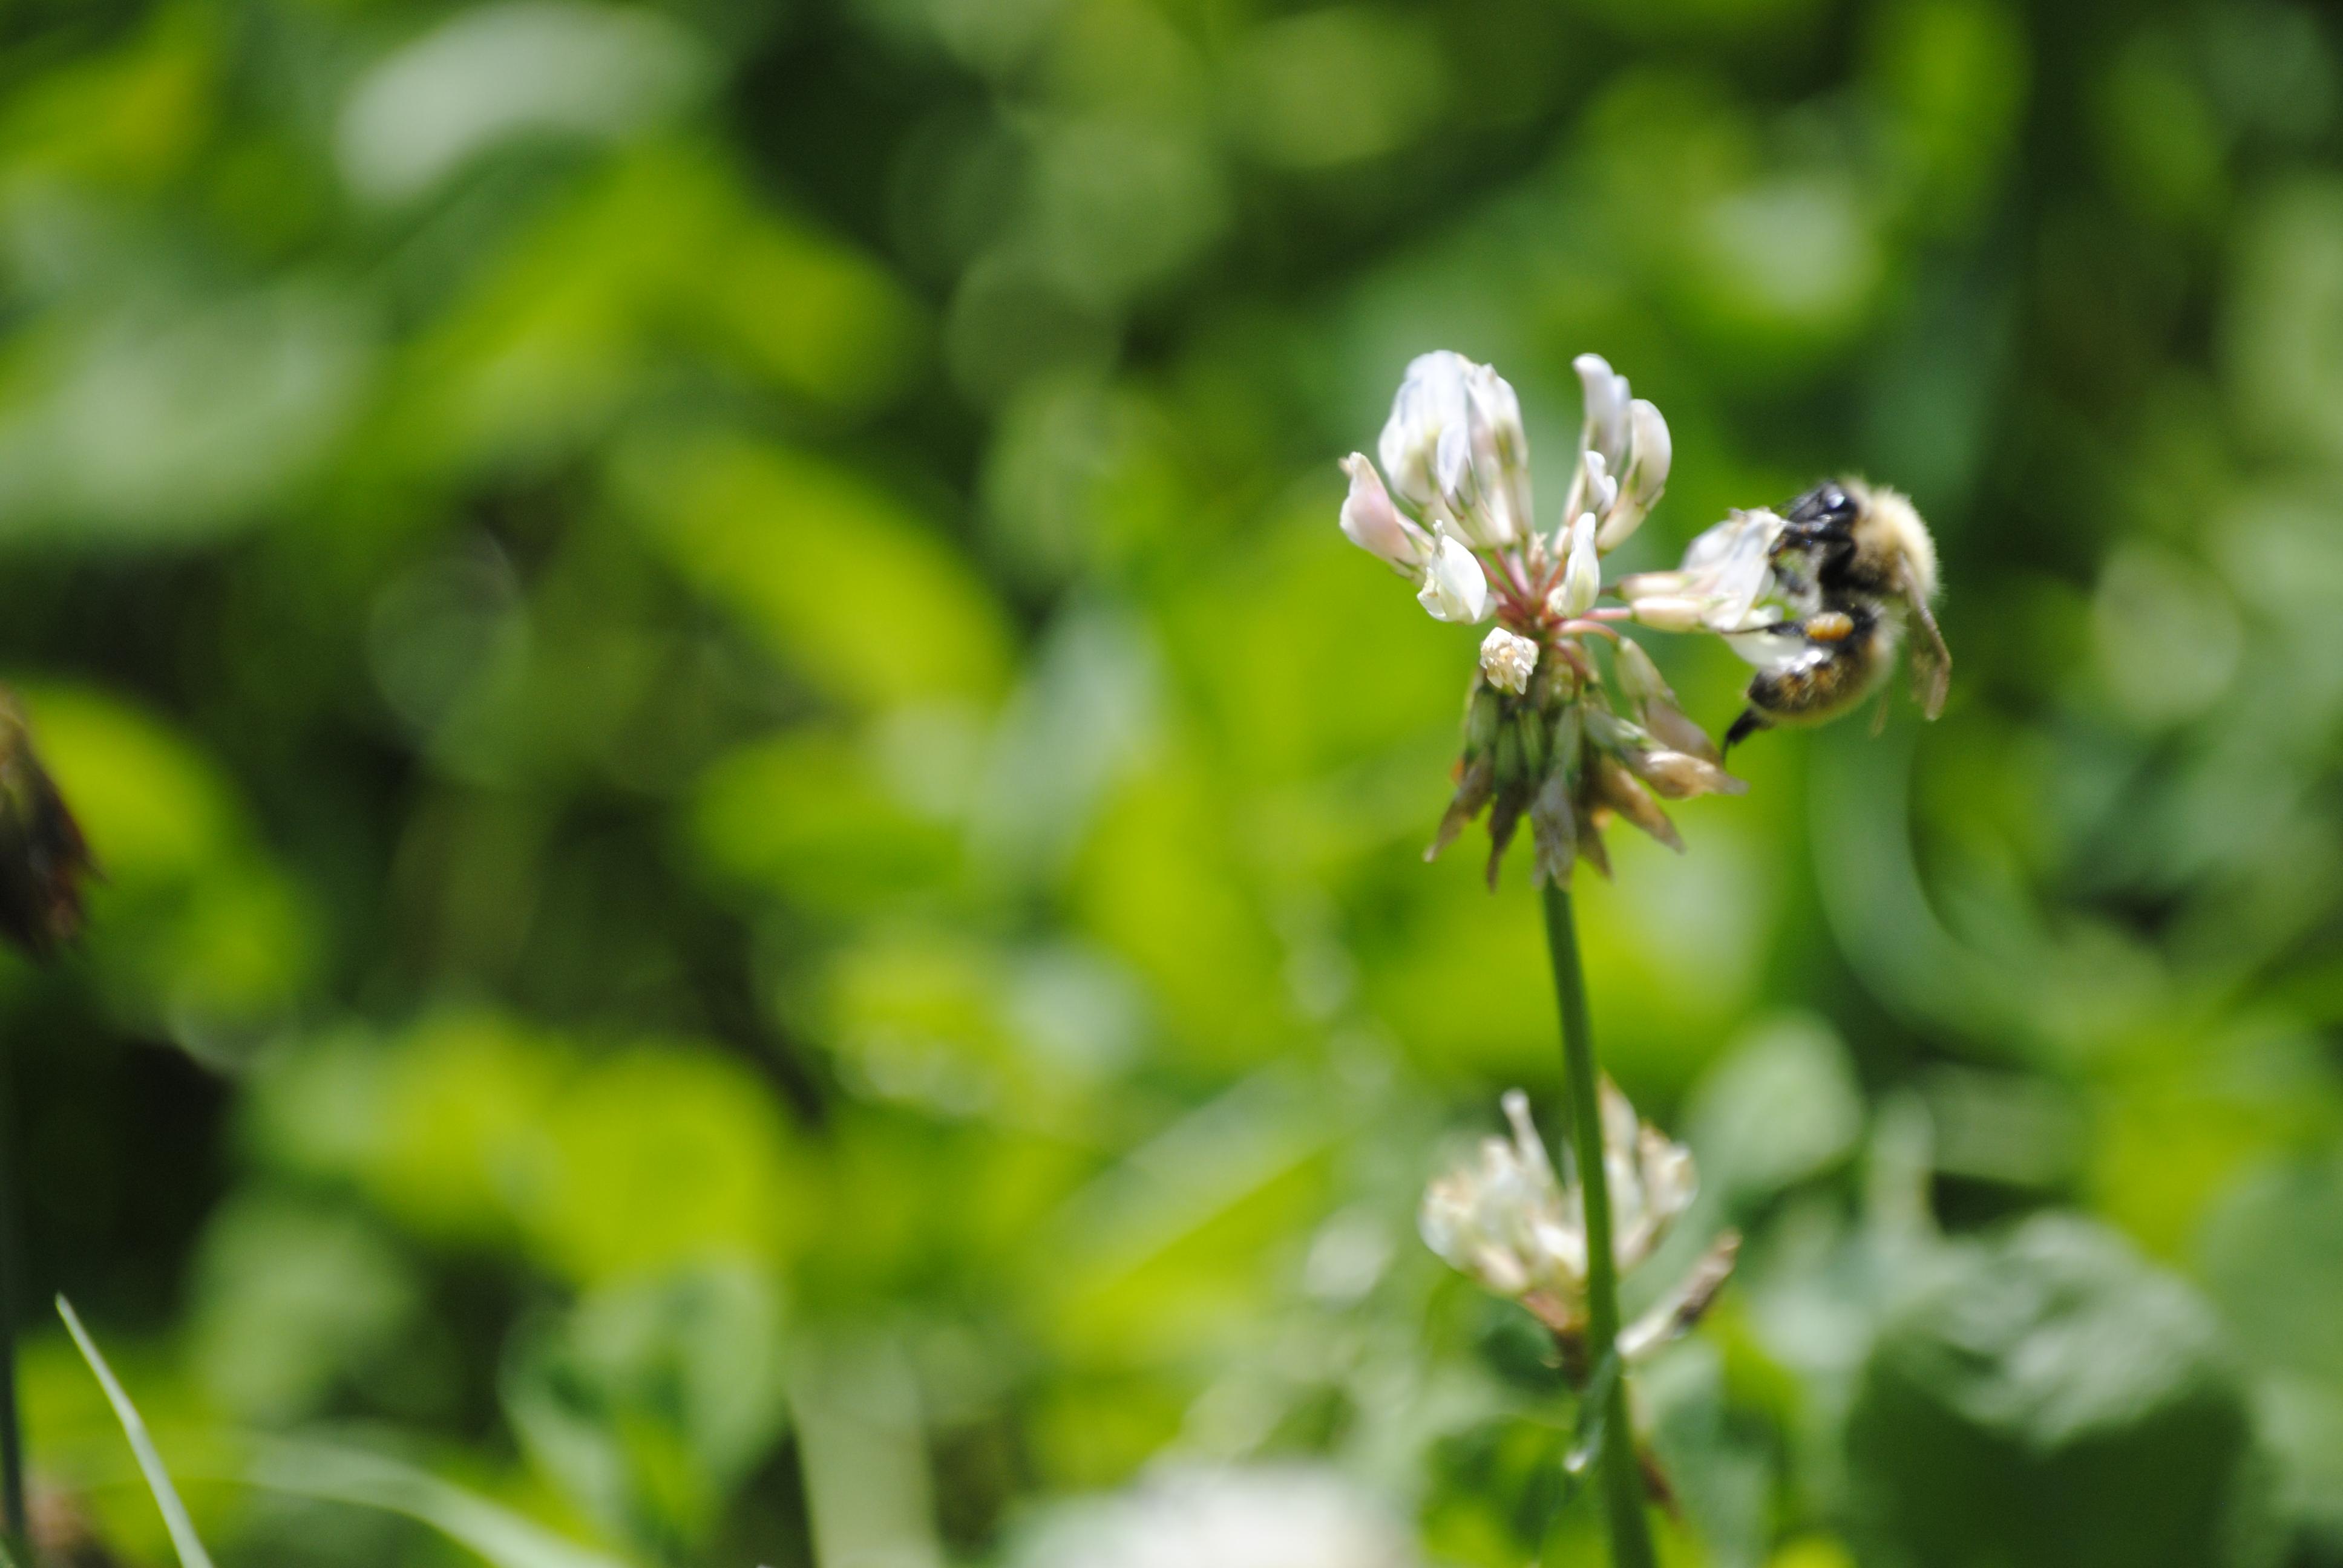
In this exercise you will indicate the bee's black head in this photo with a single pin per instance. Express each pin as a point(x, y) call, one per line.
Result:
point(1822, 515)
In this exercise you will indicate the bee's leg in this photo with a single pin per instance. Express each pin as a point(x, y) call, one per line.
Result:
point(1750, 722)
point(1879, 718)
point(1823, 625)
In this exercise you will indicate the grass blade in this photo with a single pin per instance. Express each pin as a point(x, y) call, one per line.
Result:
point(150, 1464)
point(372, 1481)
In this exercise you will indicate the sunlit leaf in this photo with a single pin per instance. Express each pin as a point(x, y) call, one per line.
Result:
point(838, 577)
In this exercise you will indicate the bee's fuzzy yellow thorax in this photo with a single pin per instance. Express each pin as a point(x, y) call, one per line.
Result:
point(1889, 526)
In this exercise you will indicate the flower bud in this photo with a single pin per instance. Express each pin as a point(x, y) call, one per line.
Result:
point(1454, 589)
point(1482, 713)
point(1601, 485)
point(1667, 612)
point(1582, 571)
point(1674, 729)
point(1553, 831)
point(1617, 788)
point(1679, 774)
point(1371, 522)
point(1650, 585)
point(1655, 706)
point(1508, 660)
point(1639, 678)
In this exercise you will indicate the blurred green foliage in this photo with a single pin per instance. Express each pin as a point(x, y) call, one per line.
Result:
point(762, 862)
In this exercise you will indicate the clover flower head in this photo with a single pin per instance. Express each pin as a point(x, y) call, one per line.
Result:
point(1551, 737)
point(1505, 1221)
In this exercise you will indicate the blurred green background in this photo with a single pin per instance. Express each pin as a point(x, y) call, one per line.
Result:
point(762, 889)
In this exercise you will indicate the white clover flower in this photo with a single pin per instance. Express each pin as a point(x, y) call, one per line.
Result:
point(1454, 449)
point(1508, 660)
point(1258, 1516)
point(1455, 587)
point(1727, 572)
point(1425, 437)
point(1451, 511)
point(1371, 522)
point(1508, 1225)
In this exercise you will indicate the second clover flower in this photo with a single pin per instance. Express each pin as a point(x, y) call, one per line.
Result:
point(1506, 1222)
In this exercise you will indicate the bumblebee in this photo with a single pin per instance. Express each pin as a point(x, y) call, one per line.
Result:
point(1857, 566)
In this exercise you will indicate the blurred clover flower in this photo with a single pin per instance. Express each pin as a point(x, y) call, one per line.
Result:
point(1505, 1223)
point(1265, 1516)
point(1451, 511)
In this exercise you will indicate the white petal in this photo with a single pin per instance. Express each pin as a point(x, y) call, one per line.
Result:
point(1605, 430)
point(1430, 401)
point(1371, 522)
point(1453, 586)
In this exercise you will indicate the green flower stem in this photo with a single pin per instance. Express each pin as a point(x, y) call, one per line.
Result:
point(1620, 1478)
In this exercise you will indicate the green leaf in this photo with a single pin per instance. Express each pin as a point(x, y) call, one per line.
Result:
point(1783, 1107)
point(195, 929)
point(809, 814)
point(652, 1401)
point(844, 581)
point(2050, 1398)
point(658, 1156)
point(150, 1464)
point(169, 421)
point(2274, 1261)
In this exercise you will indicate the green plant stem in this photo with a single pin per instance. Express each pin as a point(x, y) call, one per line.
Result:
point(1620, 1478)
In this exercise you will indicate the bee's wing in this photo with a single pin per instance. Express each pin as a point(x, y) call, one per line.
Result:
point(1931, 661)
